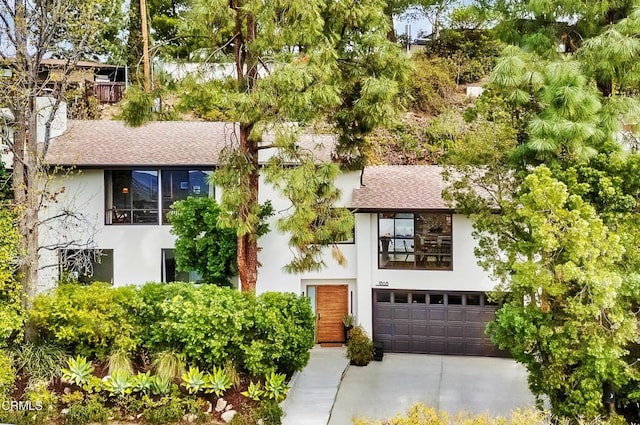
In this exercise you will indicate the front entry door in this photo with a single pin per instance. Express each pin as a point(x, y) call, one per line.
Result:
point(331, 306)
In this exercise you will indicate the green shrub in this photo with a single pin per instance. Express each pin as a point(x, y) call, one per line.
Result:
point(359, 347)
point(205, 323)
point(431, 84)
point(92, 411)
point(269, 411)
point(281, 336)
point(7, 374)
point(170, 412)
point(90, 320)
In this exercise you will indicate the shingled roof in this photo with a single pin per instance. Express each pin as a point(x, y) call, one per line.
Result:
point(400, 187)
point(161, 143)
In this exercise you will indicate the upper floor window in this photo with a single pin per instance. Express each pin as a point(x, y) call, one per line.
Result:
point(138, 196)
point(179, 184)
point(132, 196)
point(415, 241)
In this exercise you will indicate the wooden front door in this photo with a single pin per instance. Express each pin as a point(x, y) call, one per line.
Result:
point(331, 306)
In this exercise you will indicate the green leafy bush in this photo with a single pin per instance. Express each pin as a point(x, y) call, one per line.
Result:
point(90, 320)
point(268, 411)
point(431, 84)
point(205, 323)
point(359, 347)
point(11, 312)
point(92, 411)
point(7, 374)
point(281, 336)
point(202, 245)
point(170, 412)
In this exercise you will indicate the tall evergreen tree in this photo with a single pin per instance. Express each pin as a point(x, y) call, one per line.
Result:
point(296, 64)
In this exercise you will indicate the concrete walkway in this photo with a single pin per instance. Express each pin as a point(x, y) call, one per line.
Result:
point(313, 390)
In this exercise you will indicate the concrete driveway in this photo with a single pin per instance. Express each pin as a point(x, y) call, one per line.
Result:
point(450, 383)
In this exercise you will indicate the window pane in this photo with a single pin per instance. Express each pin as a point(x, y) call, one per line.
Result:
point(436, 299)
point(400, 297)
point(132, 196)
point(418, 298)
point(383, 296)
point(433, 240)
point(473, 299)
point(170, 272)
point(180, 184)
point(454, 299)
point(88, 265)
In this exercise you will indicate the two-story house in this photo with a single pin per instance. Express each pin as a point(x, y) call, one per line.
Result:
point(411, 278)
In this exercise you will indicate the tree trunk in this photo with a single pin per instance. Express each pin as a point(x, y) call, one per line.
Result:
point(248, 243)
point(26, 193)
point(247, 73)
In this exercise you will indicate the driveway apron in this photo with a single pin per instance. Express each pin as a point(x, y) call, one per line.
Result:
point(450, 383)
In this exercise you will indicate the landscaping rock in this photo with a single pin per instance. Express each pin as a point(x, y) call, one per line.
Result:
point(229, 407)
point(66, 390)
point(139, 416)
point(209, 407)
point(190, 418)
point(260, 422)
point(64, 411)
point(228, 415)
point(221, 404)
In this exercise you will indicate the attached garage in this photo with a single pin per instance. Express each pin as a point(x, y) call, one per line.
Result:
point(433, 322)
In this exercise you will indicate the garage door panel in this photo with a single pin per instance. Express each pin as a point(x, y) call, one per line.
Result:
point(401, 345)
point(419, 329)
point(455, 347)
point(384, 312)
point(436, 313)
point(433, 328)
point(455, 331)
point(419, 345)
point(455, 315)
point(437, 330)
point(401, 329)
point(419, 314)
point(473, 331)
point(401, 313)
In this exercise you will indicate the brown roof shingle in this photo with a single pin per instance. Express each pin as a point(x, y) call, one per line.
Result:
point(405, 187)
point(160, 143)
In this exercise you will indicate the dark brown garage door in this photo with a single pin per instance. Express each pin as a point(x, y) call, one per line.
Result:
point(433, 322)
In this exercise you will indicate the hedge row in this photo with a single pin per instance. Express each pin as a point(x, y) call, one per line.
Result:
point(207, 324)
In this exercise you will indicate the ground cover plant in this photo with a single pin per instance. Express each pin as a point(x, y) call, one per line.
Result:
point(161, 353)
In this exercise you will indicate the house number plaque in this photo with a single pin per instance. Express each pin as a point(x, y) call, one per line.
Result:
point(382, 283)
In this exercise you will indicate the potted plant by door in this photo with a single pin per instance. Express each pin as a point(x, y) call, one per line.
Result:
point(349, 322)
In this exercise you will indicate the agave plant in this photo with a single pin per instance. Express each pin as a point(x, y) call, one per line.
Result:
point(275, 386)
point(254, 392)
point(78, 372)
point(141, 383)
point(160, 386)
point(193, 380)
point(119, 384)
point(217, 382)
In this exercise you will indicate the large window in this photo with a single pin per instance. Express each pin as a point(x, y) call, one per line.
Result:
point(86, 265)
point(138, 196)
point(415, 241)
point(132, 197)
point(179, 184)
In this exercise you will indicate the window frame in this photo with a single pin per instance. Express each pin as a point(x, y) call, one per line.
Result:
point(415, 228)
point(129, 213)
